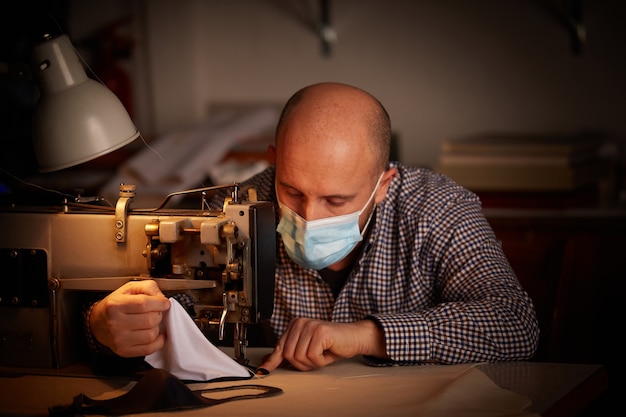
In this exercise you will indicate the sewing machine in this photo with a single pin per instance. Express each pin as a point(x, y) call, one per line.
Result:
point(53, 260)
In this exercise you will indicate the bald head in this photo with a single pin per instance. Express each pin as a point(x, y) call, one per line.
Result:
point(340, 117)
point(331, 154)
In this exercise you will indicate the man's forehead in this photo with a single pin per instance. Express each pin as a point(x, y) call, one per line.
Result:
point(323, 183)
point(325, 155)
point(324, 161)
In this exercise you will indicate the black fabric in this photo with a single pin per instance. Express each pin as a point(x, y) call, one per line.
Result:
point(157, 390)
point(336, 279)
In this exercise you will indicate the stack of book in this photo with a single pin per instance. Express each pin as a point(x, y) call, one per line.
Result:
point(522, 162)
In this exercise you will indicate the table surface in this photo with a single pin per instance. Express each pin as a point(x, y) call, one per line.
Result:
point(494, 389)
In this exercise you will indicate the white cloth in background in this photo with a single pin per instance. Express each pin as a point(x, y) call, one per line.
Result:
point(178, 160)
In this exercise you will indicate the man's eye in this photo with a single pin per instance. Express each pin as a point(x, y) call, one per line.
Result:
point(335, 202)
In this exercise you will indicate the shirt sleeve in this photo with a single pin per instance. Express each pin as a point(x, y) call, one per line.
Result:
point(95, 348)
point(478, 309)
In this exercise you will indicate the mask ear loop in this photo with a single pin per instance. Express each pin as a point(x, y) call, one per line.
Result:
point(368, 202)
point(368, 222)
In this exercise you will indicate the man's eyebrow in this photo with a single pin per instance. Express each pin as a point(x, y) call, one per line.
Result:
point(346, 197)
point(290, 187)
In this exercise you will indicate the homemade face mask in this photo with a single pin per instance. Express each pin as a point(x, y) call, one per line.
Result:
point(157, 391)
point(316, 244)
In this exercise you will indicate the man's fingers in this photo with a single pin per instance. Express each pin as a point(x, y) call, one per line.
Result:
point(134, 350)
point(144, 286)
point(136, 297)
point(272, 361)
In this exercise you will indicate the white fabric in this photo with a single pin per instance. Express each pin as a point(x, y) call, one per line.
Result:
point(188, 354)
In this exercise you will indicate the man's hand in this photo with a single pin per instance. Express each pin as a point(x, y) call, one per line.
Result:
point(128, 320)
point(308, 344)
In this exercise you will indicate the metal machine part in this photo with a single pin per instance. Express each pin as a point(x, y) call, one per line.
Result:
point(55, 260)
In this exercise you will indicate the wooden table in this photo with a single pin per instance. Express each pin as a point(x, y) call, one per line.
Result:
point(349, 387)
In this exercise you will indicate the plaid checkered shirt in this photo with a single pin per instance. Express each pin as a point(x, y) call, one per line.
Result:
point(431, 273)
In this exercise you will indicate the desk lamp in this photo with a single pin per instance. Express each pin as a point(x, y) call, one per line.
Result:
point(76, 119)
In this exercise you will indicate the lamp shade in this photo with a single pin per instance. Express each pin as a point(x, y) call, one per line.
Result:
point(76, 119)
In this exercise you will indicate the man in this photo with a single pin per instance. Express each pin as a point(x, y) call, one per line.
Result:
point(374, 258)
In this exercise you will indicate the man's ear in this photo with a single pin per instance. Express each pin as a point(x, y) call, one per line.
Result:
point(384, 184)
point(271, 153)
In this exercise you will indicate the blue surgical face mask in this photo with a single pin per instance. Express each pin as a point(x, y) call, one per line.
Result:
point(316, 244)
